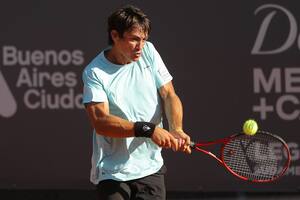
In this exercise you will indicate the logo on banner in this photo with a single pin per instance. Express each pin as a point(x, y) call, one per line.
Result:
point(8, 104)
point(42, 79)
point(278, 87)
point(265, 25)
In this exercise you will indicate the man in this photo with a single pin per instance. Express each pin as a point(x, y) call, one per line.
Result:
point(126, 88)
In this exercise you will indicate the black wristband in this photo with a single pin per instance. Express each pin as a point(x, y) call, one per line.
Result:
point(144, 129)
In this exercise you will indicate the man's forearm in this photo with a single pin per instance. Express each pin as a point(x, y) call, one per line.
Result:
point(174, 112)
point(106, 124)
point(113, 126)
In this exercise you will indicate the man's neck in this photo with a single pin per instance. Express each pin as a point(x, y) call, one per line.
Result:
point(116, 57)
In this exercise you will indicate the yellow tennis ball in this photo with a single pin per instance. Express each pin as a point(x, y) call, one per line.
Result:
point(250, 127)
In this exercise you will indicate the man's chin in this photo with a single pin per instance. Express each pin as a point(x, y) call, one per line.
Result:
point(136, 58)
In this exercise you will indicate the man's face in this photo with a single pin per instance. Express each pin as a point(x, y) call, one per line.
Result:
point(130, 46)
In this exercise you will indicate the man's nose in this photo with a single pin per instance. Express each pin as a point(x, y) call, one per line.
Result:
point(140, 45)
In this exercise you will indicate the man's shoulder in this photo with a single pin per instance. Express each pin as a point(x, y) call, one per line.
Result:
point(149, 46)
point(94, 68)
point(96, 64)
point(148, 51)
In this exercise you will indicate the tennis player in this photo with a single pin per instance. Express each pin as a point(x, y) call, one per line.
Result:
point(126, 89)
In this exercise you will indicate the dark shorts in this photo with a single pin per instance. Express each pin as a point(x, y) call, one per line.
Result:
point(148, 188)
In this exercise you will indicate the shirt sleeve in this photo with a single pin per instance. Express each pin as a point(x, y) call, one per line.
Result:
point(93, 90)
point(161, 73)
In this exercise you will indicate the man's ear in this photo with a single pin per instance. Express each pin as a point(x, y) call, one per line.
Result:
point(115, 35)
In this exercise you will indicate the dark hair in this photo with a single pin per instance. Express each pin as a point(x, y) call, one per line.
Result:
point(124, 19)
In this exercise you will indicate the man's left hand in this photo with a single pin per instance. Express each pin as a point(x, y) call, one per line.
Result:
point(184, 141)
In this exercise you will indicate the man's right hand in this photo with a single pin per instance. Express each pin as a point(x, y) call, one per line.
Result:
point(164, 139)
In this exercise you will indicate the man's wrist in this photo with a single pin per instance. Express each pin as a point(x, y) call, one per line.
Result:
point(176, 130)
point(144, 129)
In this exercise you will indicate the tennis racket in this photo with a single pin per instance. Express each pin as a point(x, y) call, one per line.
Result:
point(263, 157)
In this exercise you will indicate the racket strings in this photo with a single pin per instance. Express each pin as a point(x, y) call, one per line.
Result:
point(256, 157)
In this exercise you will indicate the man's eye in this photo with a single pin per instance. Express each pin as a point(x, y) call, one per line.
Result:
point(133, 39)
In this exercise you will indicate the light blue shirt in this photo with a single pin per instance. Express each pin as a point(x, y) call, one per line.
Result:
point(132, 93)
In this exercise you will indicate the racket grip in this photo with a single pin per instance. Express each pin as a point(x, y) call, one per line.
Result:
point(192, 145)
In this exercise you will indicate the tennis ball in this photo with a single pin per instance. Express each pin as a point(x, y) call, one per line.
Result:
point(250, 127)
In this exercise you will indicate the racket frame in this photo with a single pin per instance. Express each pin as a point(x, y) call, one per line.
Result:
point(223, 143)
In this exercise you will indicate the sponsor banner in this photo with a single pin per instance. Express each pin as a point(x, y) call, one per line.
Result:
point(276, 87)
point(45, 78)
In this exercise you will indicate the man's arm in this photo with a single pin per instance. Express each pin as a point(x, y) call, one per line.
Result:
point(174, 113)
point(113, 126)
point(106, 124)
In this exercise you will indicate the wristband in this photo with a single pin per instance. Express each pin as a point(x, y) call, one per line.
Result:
point(144, 129)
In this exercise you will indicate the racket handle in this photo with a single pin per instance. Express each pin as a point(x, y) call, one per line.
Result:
point(192, 145)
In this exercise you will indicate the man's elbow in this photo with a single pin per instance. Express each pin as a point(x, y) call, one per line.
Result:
point(100, 125)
